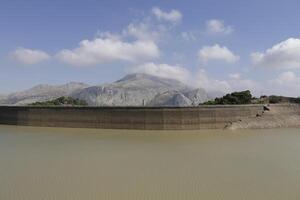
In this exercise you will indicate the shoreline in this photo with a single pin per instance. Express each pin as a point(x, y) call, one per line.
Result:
point(277, 116)
point(155, 118)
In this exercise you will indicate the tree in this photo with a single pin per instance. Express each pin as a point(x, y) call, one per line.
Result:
point(61, 101)
point(243, 97)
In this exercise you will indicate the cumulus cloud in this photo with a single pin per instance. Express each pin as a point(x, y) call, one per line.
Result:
point(217, 52)
point(210, 84)
point(284, 55)
point(173, 16)
point(235, 76)
point(145, 31)
point(104, 50)
point(213, 27)
point(29, 56)
point(190, 35)
point(287, 77)
point(240, 84)
point(135, 43)
point(164, 70)
point(201, 79)
point(218, 26)
point(216, 87)
point(286, 84)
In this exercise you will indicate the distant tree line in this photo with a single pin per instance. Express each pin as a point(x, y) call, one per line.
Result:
point(61, 101)
point(282, 99)
point(245, 97)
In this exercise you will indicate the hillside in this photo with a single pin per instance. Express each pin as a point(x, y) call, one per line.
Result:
point(131, 90)
point(141, 90)
point(61, 101)
point(42, 92)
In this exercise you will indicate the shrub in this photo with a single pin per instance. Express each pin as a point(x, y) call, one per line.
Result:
point(62, 101)
point(243, 97)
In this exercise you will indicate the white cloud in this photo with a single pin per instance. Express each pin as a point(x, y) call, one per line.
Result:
point(173, 16)
point(217, 52)
point(138, 42)
point(29, 56)
point(164, 70)
point(240, 84)
point(104, 50)
point(213, 27)
point(235, 76)
point(108, 34)
point(211, 85)
point(216, 87)
point(201, 79)
point(286, 84)
point(145, 31)
point(284, 55)
point(190, 35)
point(287, 77)
point(218, 26)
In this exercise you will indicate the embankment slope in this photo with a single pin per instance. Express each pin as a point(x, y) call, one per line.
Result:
point(274, 116)
point(155, 118)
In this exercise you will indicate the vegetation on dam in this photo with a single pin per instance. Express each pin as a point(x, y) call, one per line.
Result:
point(245, 97)
point(61, 101)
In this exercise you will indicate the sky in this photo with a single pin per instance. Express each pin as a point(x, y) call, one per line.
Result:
point(221, 46)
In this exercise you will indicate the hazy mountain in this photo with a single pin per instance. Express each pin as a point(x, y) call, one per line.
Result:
point(196, 96)
point(42, 93)
point(2, 99)
point(2, 96)
point(142, 90)
point(170, 98)
point(132, 90)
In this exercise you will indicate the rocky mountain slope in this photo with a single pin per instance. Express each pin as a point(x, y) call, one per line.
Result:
point(142, 90)
point(42, 93)
point(2, 98)
point(132, 90)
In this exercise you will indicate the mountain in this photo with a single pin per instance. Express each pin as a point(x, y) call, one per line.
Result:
point(170, 98)
point(42, 93)
point(197, 96)
point(2, 98)
point(132, 90)
point(142, 90)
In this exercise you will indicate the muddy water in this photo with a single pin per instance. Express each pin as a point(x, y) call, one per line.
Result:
point(54, 164)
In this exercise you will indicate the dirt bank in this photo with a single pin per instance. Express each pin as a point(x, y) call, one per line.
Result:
point(274, 116)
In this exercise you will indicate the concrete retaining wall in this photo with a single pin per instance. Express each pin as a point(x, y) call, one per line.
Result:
point(206, 117)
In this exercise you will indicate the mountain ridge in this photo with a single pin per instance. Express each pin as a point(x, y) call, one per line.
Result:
point(136, 89)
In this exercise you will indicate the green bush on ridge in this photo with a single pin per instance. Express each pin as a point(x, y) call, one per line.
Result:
point(235, 98)
point(245, 97)
point(61, 101)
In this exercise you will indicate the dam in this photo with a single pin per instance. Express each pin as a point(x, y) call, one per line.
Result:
point(142, 118)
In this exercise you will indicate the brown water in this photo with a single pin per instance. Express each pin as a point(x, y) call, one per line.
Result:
point(63, 164)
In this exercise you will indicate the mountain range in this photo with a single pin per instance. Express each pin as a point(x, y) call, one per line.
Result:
point(132, 90)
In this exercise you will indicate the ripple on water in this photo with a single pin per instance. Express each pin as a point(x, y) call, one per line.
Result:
point(49, 163)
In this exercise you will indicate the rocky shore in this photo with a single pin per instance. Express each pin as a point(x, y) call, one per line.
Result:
point(273, 116)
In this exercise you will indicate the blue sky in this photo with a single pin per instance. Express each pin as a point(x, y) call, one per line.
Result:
point(221, 46)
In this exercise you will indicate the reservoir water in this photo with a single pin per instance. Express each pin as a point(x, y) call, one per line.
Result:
point(70, 164)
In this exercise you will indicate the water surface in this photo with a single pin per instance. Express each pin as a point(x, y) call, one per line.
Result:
point(63, 164)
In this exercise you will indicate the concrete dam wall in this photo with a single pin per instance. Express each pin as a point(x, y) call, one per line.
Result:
point(204, 117)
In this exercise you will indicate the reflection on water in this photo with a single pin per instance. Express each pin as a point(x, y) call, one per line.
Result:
point(48, 163)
